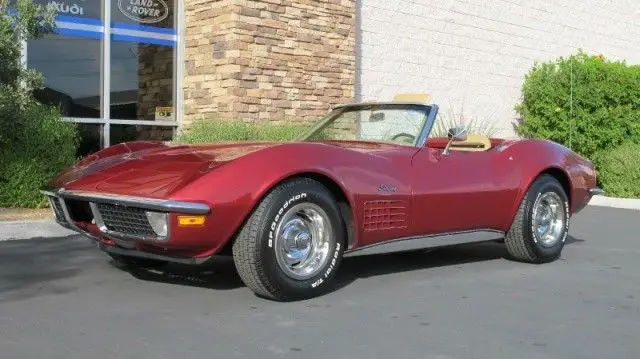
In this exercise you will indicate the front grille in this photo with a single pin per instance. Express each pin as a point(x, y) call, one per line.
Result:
point(125, 220)
point(57, 209)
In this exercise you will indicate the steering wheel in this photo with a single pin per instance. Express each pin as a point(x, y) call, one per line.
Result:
point(404, 137)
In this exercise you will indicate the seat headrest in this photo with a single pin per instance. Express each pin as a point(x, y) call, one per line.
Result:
point(412, 97)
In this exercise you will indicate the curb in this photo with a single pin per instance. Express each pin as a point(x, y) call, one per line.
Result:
point(16, 230)
point(613, 202)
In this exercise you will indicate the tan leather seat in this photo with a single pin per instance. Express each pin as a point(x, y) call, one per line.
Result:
point(473, 143)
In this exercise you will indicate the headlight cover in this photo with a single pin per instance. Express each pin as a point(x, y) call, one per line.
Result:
point(158, 222)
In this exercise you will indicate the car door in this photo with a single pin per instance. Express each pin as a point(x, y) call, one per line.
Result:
point(461, 191)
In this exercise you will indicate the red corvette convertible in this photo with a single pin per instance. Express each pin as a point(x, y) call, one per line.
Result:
point(366, 179)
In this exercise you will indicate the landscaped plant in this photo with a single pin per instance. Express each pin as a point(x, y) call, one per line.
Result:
point(473, 125)
point(34, 143)
point(619, 171)
point(585, 102)
point(209, 131)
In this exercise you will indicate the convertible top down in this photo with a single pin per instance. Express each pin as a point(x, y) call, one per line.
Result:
point(367, 178)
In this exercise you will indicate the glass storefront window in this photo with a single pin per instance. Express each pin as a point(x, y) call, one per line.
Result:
point(142, 60)
point(139, 67)
point(90, 136)
point(125, 133)
point(71, 59)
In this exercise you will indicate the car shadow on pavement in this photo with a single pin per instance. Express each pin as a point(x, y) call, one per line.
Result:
point(221, 274)
point(355, 268)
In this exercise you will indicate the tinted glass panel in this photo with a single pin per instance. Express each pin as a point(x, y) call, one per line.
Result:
point(142, 59)
point(90, 138)
point(70, 59)
point(126, 133)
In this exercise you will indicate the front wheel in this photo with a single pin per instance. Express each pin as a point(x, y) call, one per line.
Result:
point(541, 225)
point(292, 244)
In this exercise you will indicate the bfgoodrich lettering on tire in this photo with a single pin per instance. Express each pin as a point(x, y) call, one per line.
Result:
point(541, 225)
point(292, 243)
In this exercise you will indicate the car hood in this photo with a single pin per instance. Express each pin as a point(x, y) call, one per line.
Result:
point(159, 170)
point(150, 172)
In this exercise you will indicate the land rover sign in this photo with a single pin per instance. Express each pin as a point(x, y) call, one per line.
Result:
point(144, 11)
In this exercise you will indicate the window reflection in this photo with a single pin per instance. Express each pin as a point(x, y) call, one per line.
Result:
point(90, 139)
point(142, 53)
point(126, 133)
point(71, 70)
point(141, 81)
point(70, 59)
point(140, 67)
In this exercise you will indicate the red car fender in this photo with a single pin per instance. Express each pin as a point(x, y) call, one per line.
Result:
point(234, 189)
point(537, 157)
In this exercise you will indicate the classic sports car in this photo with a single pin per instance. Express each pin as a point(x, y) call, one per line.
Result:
point(366, 179)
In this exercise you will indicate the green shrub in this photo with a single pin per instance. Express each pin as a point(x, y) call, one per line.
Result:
point(34, 143)
point(584, 102)
point(42, 145)
point(619, 171)
point(210, 131)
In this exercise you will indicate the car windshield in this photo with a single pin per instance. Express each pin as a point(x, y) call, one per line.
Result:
point(390, 123)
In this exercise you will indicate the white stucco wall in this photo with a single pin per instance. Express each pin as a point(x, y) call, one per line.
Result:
point(472, 55)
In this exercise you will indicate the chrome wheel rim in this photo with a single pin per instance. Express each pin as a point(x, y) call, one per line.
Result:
point(548, 219)
point(302, 241)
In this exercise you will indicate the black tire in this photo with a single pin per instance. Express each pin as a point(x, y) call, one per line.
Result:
point(254, 254)
point(521, 241)
point(136, 262)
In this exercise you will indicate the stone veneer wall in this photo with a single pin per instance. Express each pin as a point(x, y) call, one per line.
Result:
point(268, 60)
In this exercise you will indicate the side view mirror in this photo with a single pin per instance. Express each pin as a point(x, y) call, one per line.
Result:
point(455, 134)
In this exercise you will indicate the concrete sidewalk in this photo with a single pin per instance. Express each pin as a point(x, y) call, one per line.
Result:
point(11, 230)
point(624, 203)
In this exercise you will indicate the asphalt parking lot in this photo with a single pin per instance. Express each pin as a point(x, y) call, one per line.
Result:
point(62, 298)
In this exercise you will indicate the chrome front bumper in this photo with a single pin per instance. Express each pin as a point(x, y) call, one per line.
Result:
point(63, 215)
point(165, 205)
point(596, 191)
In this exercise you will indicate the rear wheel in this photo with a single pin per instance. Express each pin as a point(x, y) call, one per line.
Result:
point(541, 225)
point(292, 243)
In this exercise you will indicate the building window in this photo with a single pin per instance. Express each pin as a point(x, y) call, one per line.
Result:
point(122, 92)
point(71, 70)
point(142, 59)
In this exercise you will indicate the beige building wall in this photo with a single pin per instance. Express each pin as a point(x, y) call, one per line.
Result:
point(472, 55)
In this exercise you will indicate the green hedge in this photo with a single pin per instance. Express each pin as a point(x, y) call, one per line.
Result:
point(209, 131)
point(619, 171)
point(34, 143)
point(39, 147)
point(585, 102)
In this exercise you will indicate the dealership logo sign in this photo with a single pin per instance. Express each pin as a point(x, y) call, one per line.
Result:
point(63, 8)
point(144, 11)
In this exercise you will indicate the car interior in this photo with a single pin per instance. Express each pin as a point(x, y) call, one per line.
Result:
point(473, 143)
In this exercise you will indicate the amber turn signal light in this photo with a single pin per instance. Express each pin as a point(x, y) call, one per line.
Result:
point(191, 221)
